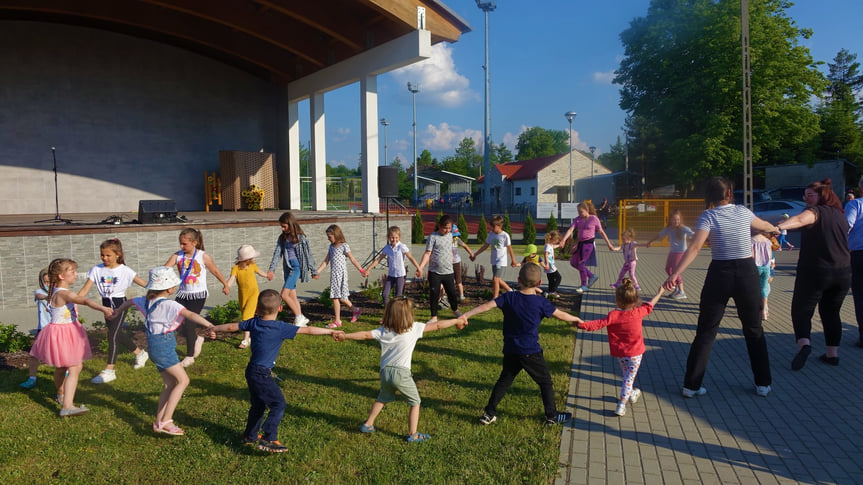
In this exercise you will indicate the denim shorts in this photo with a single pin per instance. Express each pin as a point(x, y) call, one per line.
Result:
point(394, 378)
point(293, 275)
point(163, 350)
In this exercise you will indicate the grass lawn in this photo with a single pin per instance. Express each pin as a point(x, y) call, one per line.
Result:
point(329, 388)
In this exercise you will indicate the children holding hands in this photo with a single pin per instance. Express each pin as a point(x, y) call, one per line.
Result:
point(267, 334)
point(243, 272)
point(438, 255)
point(500, 244)
point(337, 256)
point(395, 252)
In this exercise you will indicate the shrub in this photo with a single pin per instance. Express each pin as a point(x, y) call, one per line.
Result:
point(324, 299)
point(507, 228)
point(529, 230)
point(462, 227)
point(482, 230)
point(551, 225)
point(374, 291)
point(227, 313)
point(11, 340)
point(417, 235)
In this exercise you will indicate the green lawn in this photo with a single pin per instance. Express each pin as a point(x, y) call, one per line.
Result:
point(329, 388)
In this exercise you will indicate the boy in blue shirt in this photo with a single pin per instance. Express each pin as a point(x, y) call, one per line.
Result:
point(267, 336)
point(523, 311)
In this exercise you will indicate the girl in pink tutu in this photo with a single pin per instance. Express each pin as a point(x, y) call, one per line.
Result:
point(63, 343)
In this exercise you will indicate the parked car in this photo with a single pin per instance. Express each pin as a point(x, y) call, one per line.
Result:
point(772, 210)
point(787, 193)
point(758, 195)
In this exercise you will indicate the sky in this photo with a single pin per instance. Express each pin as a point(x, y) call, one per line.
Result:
point(546, 57)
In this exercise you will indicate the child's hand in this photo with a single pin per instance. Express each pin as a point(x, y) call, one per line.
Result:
point(270, 275)
point(472, 257)
point(462, 323)
point(577, 322)
point(419, 274)
point(515, 264)
point(315, 277)
point(226, 290)
point(109, 312)
point(211, 334)
point(339, 335)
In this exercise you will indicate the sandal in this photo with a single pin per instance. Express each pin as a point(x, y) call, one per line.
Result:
point(245, 343)
point(335, 324)
point(60, 399)
point(417, 438)
point(168, 427)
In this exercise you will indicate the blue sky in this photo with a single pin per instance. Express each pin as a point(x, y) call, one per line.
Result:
point(547, 57)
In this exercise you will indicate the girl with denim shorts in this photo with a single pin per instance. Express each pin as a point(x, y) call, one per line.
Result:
point(295, 252)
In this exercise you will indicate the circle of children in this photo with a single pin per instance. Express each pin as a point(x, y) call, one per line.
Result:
point(62, 342)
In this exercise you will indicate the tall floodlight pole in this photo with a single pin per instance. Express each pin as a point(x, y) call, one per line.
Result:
point(570, 115)
point(486, 7)
point(414, 89)
point(747, 105)
point(592, 159)
point(385, 122)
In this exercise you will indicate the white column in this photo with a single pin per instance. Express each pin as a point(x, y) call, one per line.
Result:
point(318, 152)
point(295, 201)
point(369, 140)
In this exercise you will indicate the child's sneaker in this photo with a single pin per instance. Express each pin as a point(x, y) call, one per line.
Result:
point(583, 289)
point(763, 391)
point(271, 446)
point(246, 441)
point(487, 419)
point(104, 377)
point(678, 296)
point(30, 383)
point(692, 393)
point(559, 419)
point(591, 280)
point(614, 285)
point(355, 314)
point(301, 321)
point(621, 409)
point(187, 361)
point(636, 394)
point(141, 359)
point(74, 411)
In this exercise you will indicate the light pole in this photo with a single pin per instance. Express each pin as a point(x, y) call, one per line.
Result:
point(385, 122)
point(570, 115)
point(592, 159)
point(414, 89)
point(486, 6)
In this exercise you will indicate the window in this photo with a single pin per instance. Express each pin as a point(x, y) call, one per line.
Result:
point(518, 191)
point(533, 191)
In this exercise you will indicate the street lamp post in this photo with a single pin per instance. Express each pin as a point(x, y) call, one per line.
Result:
point(570, 115)
point(385, 122)
point(414, 89)
point(486, 6)
point(592, 159)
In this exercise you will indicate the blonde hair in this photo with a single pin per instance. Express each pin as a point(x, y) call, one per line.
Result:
point(398, 315)
point(116, 246)
point(336, 231)
point(626, 296)
point(193, 235)
point(394, 230)
point(552, 237)
point(629, 233)
point(530, 275)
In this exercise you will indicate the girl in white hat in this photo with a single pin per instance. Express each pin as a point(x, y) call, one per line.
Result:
point(243, 272)
point(162, 317)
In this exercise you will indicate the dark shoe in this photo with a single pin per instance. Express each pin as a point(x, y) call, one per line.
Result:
point(252, 442)
point(829, 360)
point(271, 446)
point(487, 419)
point(559, 419)
point(799, 360)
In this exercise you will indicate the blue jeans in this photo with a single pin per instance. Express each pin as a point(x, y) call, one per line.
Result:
point(264, 393)
point(162, 348)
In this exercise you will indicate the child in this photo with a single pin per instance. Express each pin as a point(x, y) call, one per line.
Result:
point(294, 250)
point(395, 252)
point(783, 233)
point(523, 312)
point(500, 243)
point(630, 258)
point(456, 260)
point(625, 336)
point(438, 255)
point(43, 318)
point(112, 277)
point(762, 251)
point(192, 263)
point(337, 256)
point(678, 235)
point(398, 337)
point(63, 343)
point(584, 253)
point(162, 318)
point(531, 255)
point(267, 336)
point(552, 242)
point(243, 272)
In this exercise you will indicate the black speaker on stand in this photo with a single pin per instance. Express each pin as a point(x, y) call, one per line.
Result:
point(157, 211)
point(388, 187)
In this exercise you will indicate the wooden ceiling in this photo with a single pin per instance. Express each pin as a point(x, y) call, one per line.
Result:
point(279, 40)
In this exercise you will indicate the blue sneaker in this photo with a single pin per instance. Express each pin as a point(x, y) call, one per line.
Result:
point(591, 280)
point(30, 383)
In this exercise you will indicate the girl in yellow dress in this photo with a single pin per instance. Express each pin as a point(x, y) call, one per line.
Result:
point(243, 272)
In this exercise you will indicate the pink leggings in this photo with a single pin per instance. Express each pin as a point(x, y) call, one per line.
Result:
point(628, 267)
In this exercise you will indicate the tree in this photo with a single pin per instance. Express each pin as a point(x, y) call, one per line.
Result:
point(840, 113)
point(551, 224)
point(615, 158)
point(681, 84)
point(462, 228)
point(529, 232)
point(538, 142)
point(406, 184)
point(500, 154)
point(466, 160)
point(417, 234)
point(482, 230)
point(507, 228)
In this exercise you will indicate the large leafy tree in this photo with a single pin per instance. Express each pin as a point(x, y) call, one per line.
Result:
point(681, 87)
point(500, 154)
point(538, 142)
point(840, 112)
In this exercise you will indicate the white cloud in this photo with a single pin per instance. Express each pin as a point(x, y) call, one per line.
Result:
point(439, 81)
point(446, 138)
point(577, 143)
point(603, 77)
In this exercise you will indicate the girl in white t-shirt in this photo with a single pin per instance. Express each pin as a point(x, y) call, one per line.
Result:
point(112, 278)
point(398, 337)
point(395, 252)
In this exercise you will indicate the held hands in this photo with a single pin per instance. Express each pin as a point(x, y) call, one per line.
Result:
point(462, 323)
point(515, 264)
point(109, 312)
point(339, 335)
point(419, 273)
point(314, 277)
point(669, 283)
point(472, 257)
point(270, 275)
point(226, 290)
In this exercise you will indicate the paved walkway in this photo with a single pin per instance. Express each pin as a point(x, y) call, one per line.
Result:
point(808, 430)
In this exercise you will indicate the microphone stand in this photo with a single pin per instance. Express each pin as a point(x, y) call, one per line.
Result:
point(57, 217)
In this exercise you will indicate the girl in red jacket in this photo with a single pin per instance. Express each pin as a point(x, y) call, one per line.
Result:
point(625, 337)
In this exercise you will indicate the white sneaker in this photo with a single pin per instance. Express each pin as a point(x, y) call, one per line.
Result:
point(301, 321)
point(763, 391)
point(199, 344)
point(104, 377)
point(674, 292)
point(636, 394)
point(621, 409)
point(678, 296)
point(141, 359)
point(691, 393)
point(187, 361)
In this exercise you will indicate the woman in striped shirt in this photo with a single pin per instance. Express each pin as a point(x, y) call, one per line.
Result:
point(732, 274)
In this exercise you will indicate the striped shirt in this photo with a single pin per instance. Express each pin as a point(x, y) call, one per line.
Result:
point(729, 228)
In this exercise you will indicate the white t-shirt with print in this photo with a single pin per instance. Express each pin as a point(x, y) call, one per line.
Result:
point(498, 244)
point(111, 282)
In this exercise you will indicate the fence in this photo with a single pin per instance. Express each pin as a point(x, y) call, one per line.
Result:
point(648, 216)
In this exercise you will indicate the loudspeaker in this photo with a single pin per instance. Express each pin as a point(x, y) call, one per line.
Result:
point(388, 181)
point(157, 211)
